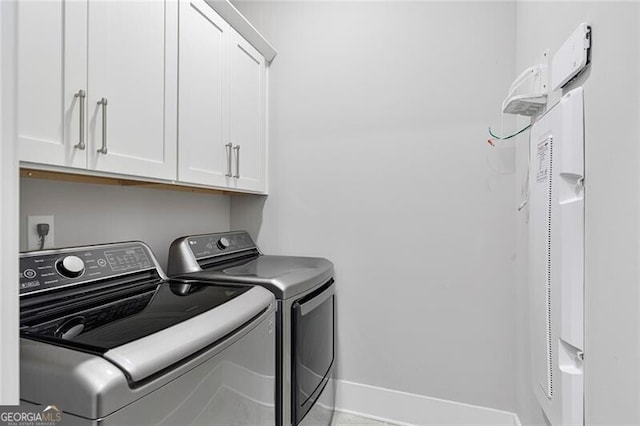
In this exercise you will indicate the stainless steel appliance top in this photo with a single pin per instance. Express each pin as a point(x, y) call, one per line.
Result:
point(110, 306)
point(233, 257)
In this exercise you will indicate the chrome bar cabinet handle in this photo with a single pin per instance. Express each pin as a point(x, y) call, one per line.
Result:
point(228, 148)
point(81, 95)
point(237, 149)
point(103, 102)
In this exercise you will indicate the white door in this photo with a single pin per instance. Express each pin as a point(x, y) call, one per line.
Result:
point(248, 106)
point(203, 108)
point(52, 69)
point(9, 209)
point(133, 68)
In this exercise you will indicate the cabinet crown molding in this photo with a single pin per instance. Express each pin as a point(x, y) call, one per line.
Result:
point(229, 13)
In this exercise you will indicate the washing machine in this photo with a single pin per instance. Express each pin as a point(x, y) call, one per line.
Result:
point(107, 339)
point(305, 320)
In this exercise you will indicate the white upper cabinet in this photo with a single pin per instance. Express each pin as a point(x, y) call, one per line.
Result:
point(222, 92)
point(52, 65)
point(248, 107)
point(133, 87)
point(71, 55)
point(165, 89)
point(203, 109)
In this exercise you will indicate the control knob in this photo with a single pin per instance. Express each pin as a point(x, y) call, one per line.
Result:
point(223, 243)
point(70, 266)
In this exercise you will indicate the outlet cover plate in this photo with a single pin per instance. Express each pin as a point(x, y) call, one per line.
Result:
point(33, 240)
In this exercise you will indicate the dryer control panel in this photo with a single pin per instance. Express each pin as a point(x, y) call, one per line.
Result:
point(209, 245)
point(50, 269)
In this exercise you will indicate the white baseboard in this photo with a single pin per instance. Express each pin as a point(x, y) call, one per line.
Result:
point(405, 408)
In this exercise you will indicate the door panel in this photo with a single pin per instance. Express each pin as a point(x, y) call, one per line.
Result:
point(133, 65)
point(52, 63)
point(313, 348)
point(248, 103)
point(203, 98)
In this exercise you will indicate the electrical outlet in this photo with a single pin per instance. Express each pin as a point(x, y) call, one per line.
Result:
point(33, 239)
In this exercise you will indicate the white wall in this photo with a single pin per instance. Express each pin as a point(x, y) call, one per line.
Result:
point(379, 162)
point(612, 216)
point(93, 214)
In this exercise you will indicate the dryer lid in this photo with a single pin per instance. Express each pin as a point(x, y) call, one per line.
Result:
point(284, 276)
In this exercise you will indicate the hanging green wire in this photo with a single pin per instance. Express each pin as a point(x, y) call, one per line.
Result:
point(504, 138)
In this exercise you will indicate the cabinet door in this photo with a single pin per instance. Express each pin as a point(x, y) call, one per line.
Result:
point(247, 123)
point(203, 109)
point(133, 66)
point(52, 68)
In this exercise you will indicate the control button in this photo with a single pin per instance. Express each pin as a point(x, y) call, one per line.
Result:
point(102, 262)
point(29, 274)
point(223, 243)
point(70, 266)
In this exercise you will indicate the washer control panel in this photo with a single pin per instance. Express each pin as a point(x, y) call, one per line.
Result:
point(46, 270)
point(217, 244)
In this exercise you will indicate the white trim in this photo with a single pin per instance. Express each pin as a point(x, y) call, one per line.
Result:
point(230, 14)
point(403, 408)
point(9, 343)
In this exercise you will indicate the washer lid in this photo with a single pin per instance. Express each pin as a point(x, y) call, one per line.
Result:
point(143, 357)
point(284, 276)
point(154, 328)
point(94, 386)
